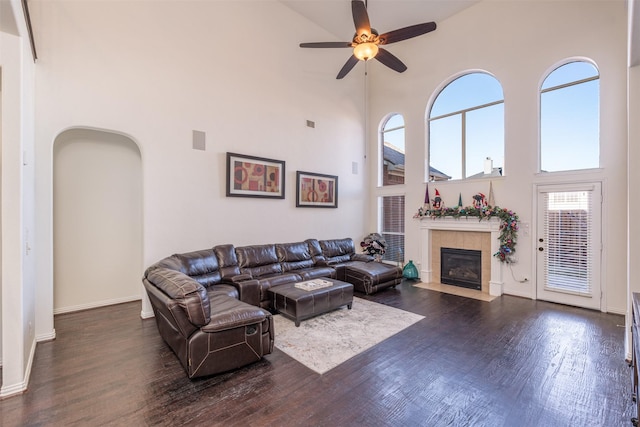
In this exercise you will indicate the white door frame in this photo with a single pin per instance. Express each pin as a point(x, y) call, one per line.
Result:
point(597, 302)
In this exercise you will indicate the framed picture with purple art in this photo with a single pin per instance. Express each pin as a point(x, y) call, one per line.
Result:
point(249, 176)
point(314, 190)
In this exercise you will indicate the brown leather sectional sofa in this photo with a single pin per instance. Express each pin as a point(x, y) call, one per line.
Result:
point(212, 306)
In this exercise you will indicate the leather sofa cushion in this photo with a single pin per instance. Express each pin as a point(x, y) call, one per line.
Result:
point(294, 256)
point(267, 282)
point(264, 270)
point(315, 272)
point(370, 277)
point(316, 252)
point(228, 290)
point(278, 279)
point(338, 250)
point(227, 261)
point(375, 272)
point(258, 260)
point(201, 265)
point(188, 293)
point(229, 313)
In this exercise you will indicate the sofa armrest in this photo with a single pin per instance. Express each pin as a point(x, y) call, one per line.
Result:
point(238, 278)
point(248, 289)
point(230, 314)
point(167, 310)
point(185, 291)
point(362, 257)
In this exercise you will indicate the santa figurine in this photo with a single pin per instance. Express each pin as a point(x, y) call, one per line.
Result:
point(479, 201)
point(436, 203)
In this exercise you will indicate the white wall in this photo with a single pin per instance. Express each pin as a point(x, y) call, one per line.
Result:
point(97, 217)
point(517, 42)
point(17, 200)
point(633, 157)
point(156, 71)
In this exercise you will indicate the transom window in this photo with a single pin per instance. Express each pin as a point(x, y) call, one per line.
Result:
point(466, 129)
point(569, 118)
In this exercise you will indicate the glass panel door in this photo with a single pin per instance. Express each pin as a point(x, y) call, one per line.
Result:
point(568, 250)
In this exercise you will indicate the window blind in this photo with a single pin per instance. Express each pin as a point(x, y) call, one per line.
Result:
point(392, 222)
point(568, 230)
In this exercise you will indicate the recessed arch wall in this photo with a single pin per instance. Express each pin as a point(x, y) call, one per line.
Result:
point(97, 219)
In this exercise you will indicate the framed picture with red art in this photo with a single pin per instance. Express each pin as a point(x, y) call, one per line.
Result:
point(249, 176)
point(314, 190)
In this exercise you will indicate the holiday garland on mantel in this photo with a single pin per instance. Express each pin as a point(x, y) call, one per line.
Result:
point(508, 225)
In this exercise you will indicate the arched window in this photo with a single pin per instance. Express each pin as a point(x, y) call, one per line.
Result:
point(391, 206)
point(569, 118)
point(466, 129)
point(392, 138)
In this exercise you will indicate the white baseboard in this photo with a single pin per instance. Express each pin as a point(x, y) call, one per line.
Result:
point(517, 293)
point(46, 337)
point(146, 314)
point(12, 389)
point(614, 310)
point(96, 304)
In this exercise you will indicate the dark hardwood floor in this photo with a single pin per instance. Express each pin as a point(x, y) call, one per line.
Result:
point(512, 362)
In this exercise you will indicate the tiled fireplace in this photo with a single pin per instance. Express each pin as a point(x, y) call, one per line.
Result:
point(463, 233)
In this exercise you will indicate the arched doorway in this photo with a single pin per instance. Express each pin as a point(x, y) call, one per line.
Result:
point(97, 219)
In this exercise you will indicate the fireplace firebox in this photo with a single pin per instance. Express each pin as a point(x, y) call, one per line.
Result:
point(461, 267)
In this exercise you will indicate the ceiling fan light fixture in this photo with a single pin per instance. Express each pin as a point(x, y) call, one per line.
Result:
point(366, 40)
point(365, 51)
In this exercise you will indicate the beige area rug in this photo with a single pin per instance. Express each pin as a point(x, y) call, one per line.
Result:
point(323, 342)
point(457, 290)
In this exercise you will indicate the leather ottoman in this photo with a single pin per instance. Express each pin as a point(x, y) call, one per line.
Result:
point(299, 304)
point(371, 277)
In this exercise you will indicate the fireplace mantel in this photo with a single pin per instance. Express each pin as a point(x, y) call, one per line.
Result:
point(491, 226)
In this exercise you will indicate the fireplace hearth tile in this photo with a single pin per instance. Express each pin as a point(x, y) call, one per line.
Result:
point(457, 290)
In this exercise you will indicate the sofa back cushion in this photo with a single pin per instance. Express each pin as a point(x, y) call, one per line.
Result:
point(202, 266)
point(316, 252)
point(187, 292)
point(294, 256)
point(258, 260)
point(227, 260)
point(338, 250)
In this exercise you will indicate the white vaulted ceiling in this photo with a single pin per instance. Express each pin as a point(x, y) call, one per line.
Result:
point(385, 15)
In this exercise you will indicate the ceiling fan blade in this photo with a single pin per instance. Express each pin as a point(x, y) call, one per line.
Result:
point(407, 32)
point(351, 62)
point(326, 44)
point(360, 17)
point(390, 60)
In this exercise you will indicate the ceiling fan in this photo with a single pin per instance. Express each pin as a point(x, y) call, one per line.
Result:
point(366, 41)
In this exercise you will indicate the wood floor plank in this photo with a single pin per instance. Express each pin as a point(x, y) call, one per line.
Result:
point(510, 362)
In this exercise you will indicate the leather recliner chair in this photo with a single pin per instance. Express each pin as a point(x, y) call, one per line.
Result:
point(201, 318)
